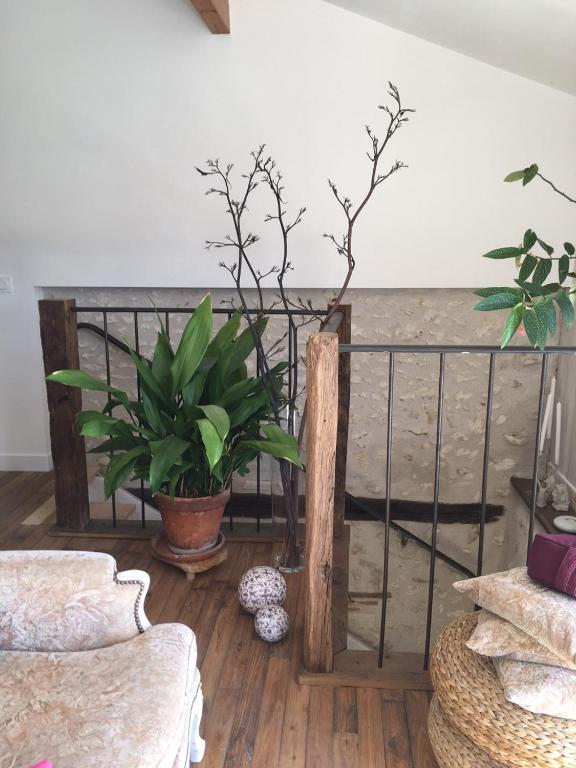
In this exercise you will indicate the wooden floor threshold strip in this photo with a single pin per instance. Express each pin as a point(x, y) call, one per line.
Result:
point(359, 669)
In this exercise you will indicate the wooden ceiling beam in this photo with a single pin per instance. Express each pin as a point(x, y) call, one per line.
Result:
point(216, 15)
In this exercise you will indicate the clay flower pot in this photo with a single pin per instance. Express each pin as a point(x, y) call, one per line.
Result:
point(192, 524)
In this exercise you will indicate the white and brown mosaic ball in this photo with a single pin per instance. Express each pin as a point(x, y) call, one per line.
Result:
point(261, 586)
point(271, 623)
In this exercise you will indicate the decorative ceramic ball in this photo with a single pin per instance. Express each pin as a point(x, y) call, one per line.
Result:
point(271, 623)
point(261, 586)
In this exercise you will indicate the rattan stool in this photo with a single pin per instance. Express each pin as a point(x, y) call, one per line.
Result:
point(452, 749)
point(483, 728)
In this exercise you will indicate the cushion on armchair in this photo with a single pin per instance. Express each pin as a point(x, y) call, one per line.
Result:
point(68, 601)
point(125, 705)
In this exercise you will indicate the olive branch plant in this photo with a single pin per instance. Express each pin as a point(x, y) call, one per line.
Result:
point(532, 301)
point(243, 270)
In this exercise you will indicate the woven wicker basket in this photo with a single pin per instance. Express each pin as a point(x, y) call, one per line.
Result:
point(472, 700)
point(452, 750)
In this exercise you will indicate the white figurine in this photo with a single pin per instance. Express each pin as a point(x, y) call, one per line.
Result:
point(560, 498)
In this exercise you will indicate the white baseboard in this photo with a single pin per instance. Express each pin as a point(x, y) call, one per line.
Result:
point(25, 462)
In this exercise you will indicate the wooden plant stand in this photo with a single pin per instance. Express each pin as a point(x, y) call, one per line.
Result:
point(190, 564)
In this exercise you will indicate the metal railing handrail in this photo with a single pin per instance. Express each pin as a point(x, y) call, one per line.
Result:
point(455, 348)
point(191, 310)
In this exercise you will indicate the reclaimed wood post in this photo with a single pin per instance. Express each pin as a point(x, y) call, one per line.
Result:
point(322, 395)
point(60, 351)
point(341, 533)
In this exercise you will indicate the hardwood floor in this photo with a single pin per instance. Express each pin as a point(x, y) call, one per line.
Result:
point(255, 712)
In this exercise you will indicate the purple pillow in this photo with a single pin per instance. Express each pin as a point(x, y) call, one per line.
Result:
point(552, 561)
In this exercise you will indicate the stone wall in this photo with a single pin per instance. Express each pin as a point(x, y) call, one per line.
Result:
point(396, 316)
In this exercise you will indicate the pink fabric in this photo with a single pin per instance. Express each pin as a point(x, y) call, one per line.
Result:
point(42, 764)
point(552, 562)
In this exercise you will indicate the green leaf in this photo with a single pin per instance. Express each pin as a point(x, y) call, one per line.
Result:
point(563, 267)
point(116, 444)
point(569, 248)
point(548, 248)
point(542, 318)
point(529, 174)
point(147, 378)
point(71, 378)
point(515, 176)
point(512, 323)
point(213, 443)
point(225, 336)
point(245, 343)
point(505, 253)
point(532, 326)
point(96, 424)
point(497, 301)
point(566, 308)
point(120, 467)
point(279, 444)
point(539, 290)
point(162, 360)
point(542, 271)
point(193, 345)
point(530, 239)
point(527, 268)
point(165, 453)
point(193, 392)
point(218, 417)
point(238, 392)
point(551, 316)
point(485, 292)
point(152, 414)
point(248, 408)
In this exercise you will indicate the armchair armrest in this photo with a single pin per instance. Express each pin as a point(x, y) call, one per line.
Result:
point(68, 601)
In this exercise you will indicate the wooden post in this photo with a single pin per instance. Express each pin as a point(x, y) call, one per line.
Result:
point(60, 351)
point(322, 391)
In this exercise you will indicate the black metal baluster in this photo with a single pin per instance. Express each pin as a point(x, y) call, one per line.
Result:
point(485, 464)
point(230, 503)
point(388, 497)
point(108, 381)
point(138, 387)
point(290, 412)
point(432, 572)
point(537, 452)
point(167, 324)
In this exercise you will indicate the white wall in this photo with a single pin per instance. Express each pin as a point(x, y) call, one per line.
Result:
point(106, 107)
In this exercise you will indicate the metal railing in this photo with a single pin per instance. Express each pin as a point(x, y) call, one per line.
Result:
point(315, 644)
point(442, 351)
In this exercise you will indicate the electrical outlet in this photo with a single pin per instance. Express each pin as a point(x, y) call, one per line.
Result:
point(6, 284)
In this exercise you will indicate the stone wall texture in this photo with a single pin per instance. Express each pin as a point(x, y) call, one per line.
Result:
point(396, 317)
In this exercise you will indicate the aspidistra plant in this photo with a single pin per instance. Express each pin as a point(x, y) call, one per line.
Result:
point(200, 417)
point(543, 285)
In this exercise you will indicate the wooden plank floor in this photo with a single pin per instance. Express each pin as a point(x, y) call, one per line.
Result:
point(255, 713)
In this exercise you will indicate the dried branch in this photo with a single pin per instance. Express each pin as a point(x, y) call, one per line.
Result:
point(397, 116)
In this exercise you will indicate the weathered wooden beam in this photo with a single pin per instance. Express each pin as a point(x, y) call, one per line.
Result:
point(322, 398)
point(60, 351)
point(216, 15)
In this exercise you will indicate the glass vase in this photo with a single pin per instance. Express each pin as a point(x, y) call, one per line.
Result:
point(288, 529)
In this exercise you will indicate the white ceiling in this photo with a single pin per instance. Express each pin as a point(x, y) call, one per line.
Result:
point(532, 38)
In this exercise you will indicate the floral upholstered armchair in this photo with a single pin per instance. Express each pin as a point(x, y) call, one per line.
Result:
point(85, 680)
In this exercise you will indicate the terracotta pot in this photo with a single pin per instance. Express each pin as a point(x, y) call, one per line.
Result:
point(192, 524)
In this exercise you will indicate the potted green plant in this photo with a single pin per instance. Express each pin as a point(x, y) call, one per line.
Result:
point(200, 419)
point(540, 288)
